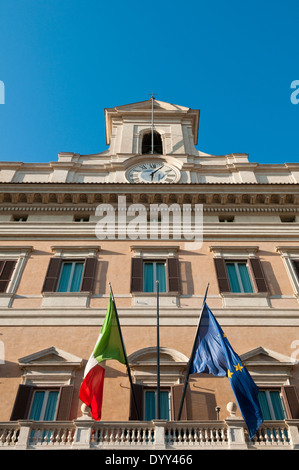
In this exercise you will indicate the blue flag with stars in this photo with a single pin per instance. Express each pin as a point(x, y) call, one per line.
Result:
point(214, 355)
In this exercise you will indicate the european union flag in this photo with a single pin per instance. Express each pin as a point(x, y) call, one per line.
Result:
point(213, 354)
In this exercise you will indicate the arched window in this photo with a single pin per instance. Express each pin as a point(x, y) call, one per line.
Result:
point(147, 143)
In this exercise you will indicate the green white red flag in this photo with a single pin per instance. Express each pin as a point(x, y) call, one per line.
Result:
point(108, 346)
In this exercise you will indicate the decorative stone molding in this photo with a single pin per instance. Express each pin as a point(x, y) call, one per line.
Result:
point(143, 364)
point(150, 252)
point(20, 254)
point(288, 254)
point(231, 252)
point(268, 368)
point(49, 367)
point(84, 251)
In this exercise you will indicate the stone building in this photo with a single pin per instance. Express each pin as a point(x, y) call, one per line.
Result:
point(69, 227)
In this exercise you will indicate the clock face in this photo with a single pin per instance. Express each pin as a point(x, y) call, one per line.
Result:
point(152, 172)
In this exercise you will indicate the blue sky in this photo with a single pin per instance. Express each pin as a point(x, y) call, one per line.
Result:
point(64, 61)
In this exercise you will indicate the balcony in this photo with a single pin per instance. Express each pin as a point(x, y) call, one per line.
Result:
point(144, 435)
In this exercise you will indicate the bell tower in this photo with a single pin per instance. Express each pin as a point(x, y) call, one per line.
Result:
point(132, 129)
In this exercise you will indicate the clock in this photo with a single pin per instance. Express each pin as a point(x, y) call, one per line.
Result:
point(153, 172)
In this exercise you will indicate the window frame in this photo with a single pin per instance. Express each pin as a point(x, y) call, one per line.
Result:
point(143, 364)
point(271, 370)
point(154, 389)
point(37, 375)
point(169, 254)
point(238, 275)
point(155, 262)
point(47, 390)
point(50, 296)
point(148, 134)
point(81, 218)
point(71, 275)
point(260, 295)
point(290, 255)
point(267, 391)
point(20, 255)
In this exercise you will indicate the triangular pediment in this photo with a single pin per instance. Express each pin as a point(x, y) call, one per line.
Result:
point(50, 355)
point(262, 355)
point(147, 105)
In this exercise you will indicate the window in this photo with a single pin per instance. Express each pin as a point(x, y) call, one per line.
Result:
point(150, 404)
point(271, 372)
point(238, 276)
point(271, 405)
point(19, 218)
point(154, 271)
point(46, 392)
point(173, 364)
point(6, 271)
point(287, 219)
point(81, 218)
point(145, 273)
point(226, 218)
point(12, 264)
point(44, 405)
point(70, 275)
point(147, 143)
point(290, 257)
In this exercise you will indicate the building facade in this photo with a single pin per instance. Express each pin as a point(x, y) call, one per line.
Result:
point(70, 227)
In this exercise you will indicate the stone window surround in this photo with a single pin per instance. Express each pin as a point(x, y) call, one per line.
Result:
point(70, 299)
point(148, 252)
point(244, 299)
point(288, 254)
point(20, 254)
point(165, 138)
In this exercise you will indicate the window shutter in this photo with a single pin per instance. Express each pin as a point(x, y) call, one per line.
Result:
point(221, 273)
point(291, 401)
point(176, 397)
point(22, 402)
point(258, 275)
point(65, 400)
point(52, 275)
point(6, 270)
point(174, 279)
point(89, 275)
point(138, 390)
point(137, 275)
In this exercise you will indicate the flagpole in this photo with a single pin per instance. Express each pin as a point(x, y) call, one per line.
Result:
point(158, 354)
point(189, 364)
point(125, 354)
point(152, 143)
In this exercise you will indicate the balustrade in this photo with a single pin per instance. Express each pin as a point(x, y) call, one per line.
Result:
point(159, 434)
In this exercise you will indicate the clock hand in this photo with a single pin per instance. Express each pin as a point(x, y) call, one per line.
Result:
point(156, 170)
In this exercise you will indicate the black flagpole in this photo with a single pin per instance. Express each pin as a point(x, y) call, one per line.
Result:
point(191, 357)
point(125, 354)
point(158, 354)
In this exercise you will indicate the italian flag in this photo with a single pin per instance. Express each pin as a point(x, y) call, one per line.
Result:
point(108, 346)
